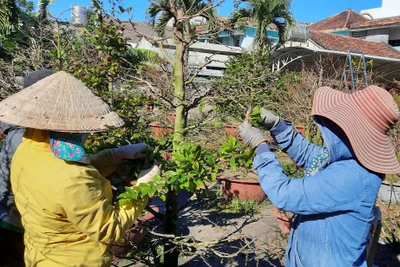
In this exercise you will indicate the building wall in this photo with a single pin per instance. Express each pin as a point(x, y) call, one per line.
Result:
point(390, 8)
point(379, 35)
point(248, 38)
point(394, 33)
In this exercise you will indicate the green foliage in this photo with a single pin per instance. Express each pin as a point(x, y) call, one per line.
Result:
point(247, 82)
point(236, 154)
point(42, 8)
point(291, 171)
point(130, 169)
point(264, 13)
point(160, 13)
point(244, 207)
point(191, 166)
point(16, 20)
point(393, 178)
point(255, 117)
point(156, 187)
point(129, 105)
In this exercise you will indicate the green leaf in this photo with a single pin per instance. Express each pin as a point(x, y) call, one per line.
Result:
point(163, 197)
point(202, 104)
point(233, 165)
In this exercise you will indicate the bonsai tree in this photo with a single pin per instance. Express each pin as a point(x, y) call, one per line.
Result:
point(180, 13)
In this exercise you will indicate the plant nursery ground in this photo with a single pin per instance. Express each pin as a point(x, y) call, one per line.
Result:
point(234, 233)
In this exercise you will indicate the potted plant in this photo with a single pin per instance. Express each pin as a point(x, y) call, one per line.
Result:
point(159, 130)
point(237, 178)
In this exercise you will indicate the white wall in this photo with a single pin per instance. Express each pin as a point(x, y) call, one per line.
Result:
point(390, 8)
point(380, 35)
point(199, 53)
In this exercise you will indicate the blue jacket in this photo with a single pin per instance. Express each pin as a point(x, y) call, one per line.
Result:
point(335, 204)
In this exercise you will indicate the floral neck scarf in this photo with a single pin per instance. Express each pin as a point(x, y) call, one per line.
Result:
point(68, 147)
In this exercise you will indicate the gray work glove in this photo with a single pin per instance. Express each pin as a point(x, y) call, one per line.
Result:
point(130, 152)
point(250, 134)
point(270, 119)
point(148, 175)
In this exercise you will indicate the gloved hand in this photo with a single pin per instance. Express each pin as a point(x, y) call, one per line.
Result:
point(147, 175)
point(270, 119)
point(135, 151)
point(250, 134)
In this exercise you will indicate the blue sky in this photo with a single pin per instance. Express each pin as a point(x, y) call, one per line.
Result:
point(303, 10)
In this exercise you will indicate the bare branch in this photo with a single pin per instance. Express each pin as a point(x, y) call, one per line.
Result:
point(201, 12)
point(207, 61)
point(158, 41)
point(154, 90)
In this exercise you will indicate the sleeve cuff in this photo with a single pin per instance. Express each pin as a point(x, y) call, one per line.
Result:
point(262, 148)
point(279, 128)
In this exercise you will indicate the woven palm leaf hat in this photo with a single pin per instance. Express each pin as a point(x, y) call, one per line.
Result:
point(365, 116)
point(59, 103)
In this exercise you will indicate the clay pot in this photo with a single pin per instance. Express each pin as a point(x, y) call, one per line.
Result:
point(301, 129)
point(231, 130)
point(241, 189)
point(171, 117)
point(135, 235)
point(159, 130)
point(284, 223)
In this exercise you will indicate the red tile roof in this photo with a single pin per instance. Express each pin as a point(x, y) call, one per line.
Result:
point(140, 29)
point(342, 20)
point(376, 23)
point(344, 43)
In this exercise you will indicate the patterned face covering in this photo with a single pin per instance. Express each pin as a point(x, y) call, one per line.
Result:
point(69, 147)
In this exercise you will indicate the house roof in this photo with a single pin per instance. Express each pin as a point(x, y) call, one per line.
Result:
point(134, 33)
point(342, 20)
point(376, 23)
point(344, 43)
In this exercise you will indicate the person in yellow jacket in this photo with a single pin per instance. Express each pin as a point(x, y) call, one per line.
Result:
point(63, 198)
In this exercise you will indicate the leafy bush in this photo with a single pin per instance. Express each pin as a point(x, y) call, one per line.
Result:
point(291, 170)
point(247, 82)
point(236, 154)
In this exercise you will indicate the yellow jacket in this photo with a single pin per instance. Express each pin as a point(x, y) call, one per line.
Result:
point(66, 207)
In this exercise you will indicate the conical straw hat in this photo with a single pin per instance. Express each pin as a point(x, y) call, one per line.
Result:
point(59, 103)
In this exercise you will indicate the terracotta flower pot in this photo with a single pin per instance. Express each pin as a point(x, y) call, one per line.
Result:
point(135, 235)
point(241, 189)
point(159, 130)
point(231, 130)
point(284, 222)
point(301, 129)
point(171, 117)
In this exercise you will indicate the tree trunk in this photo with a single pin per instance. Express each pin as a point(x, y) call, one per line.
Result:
point(171, 220)
point(179, 94)
point(171, 227)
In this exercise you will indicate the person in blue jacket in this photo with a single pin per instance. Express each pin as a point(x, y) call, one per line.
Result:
point(334, 202)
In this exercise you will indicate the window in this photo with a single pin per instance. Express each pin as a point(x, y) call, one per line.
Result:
point(237, 41)
point(360, 34)
point(394, 42)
